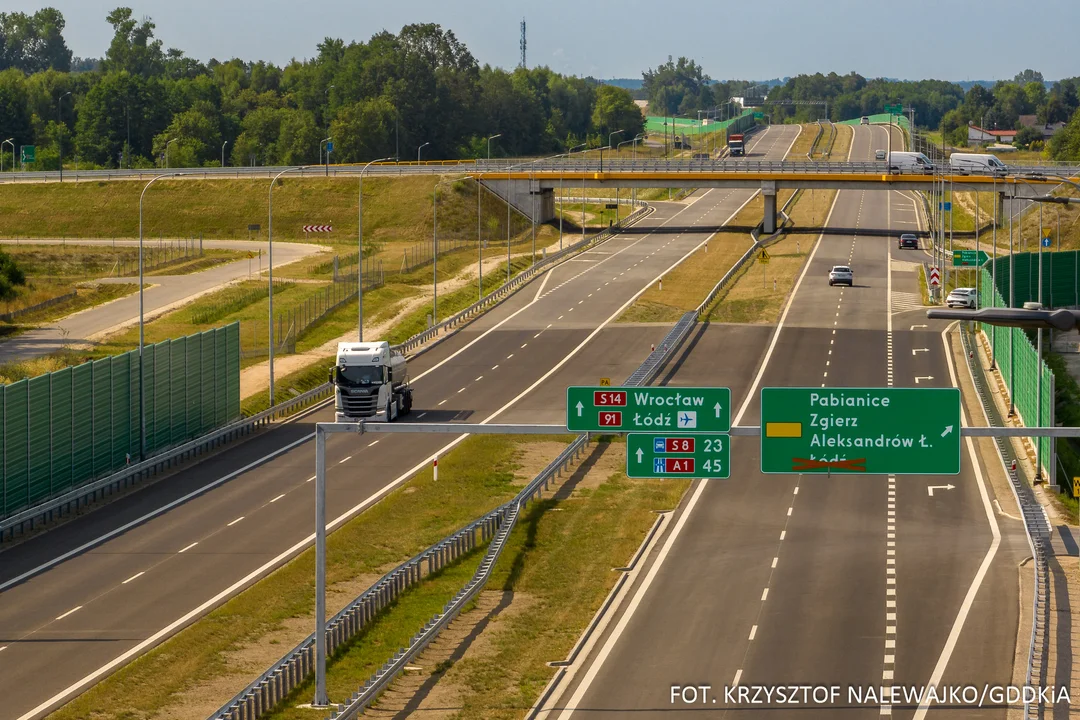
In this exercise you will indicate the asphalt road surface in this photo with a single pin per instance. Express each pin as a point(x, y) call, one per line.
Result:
point(63, 625)
point(768, 581)
point(168, 292)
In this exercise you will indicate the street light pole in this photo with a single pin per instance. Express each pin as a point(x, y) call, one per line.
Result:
point(142, 373)
point(270, 260)
point(223, 152)
point(489, 144)
point(418, 151)
point(167, 152)
point(360, 255)
point(60, 132)
point(11, 142)
point(327, 162)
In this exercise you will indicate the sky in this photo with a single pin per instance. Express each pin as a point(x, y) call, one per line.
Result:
point(916, 39)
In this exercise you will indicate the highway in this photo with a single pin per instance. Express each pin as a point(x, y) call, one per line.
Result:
point(167, 292)
point(762, 581)
point(87, 596)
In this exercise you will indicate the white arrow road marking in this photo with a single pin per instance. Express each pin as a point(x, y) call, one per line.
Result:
point(931, 488)
point(928, 377)
point(916, 351)
point(917, 326)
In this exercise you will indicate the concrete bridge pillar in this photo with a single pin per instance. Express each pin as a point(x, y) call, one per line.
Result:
point(525, 196)
point(768, 192)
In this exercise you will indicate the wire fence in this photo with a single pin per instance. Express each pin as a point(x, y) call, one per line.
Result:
point(160, 254)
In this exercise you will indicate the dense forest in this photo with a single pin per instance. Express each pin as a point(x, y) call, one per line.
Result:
point(141, 105)
point(382, 98)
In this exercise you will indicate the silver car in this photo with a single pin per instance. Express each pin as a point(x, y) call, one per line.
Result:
point(963, 297)
point(841, 275)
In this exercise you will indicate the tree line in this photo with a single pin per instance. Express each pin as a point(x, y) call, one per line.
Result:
point(143, 105)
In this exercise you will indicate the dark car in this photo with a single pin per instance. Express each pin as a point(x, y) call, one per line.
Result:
point(907, 240)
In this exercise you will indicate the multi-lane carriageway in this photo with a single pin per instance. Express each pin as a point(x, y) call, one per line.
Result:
point(767, 581)
point(82, 599)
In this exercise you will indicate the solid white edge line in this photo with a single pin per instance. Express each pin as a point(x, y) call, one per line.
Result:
point(976, 582)
point(254, 575)
point(149, 516)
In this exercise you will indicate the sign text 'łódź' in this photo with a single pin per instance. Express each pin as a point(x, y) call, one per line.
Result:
point(595, 409)
point(670, 455)
point(879, 431)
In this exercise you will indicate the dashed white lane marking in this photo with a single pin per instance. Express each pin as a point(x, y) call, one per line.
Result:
point(524, 345)
point(560, 317)
point(133, 577)
point(889, 665)
point(278, 498)
point(764, 594)
point(235, 521)
point(418, 416)
point(738, 674)
point(78, 607)
point(549, 326)
point(783, 534)
point(3, 648)
point(537, 335)
point(753, 632)
point(494, 367)
point(188, 547)
point(479, 379)
point(774, 561)
point(510, 356)
point(344, 460)
point(441, 404)
point(461, 390)
point(310, 478)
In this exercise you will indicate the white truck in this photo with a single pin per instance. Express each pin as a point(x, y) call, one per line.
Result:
point(371, 382)
point(910, 162)
point(980, 163)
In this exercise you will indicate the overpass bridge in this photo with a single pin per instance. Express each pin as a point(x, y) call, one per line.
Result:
point(529, 184)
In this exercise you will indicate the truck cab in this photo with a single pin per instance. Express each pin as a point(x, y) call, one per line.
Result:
point(370, 383)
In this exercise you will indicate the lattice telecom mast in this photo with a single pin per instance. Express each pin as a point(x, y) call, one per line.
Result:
point(522, 42)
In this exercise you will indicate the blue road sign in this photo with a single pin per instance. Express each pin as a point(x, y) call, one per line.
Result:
point(1046, 242)
point(946, 206)
point(659, 465)
point(329, 148)
point(659, 445)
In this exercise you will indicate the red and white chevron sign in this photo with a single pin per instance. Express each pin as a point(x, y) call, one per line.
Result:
point(317, 228)
point(935, 277)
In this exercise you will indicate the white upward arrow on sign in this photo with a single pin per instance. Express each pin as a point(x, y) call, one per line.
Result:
point(580, 407)
point(717, 407)
point(640, 454)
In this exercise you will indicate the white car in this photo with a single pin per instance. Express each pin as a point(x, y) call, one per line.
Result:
point(879, 154)
point(864, 120)
point(963, 297)
point(841, 275)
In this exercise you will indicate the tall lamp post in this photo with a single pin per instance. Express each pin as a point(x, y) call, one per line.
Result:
point(60, 132)
point(11, 142)
point(167, 152)
point(611, 135)
point(489, 143)
point(223, 152)
point(270, 261)
point(418, 151)
point(142, 337)
point(360, 255)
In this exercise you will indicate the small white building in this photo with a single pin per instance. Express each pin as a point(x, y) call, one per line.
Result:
point(980, 136)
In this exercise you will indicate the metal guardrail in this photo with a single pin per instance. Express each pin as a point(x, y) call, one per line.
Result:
point(297, 665)
point(817, 139)
point(15, 314)
point(757, 244)
point(832, 140)
point(1036, 525)
point(87, 494)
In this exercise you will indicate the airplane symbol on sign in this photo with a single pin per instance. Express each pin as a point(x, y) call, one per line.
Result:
point(688, 419)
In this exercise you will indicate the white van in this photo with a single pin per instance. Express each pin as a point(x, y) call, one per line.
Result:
point(981, 163)
point(910, 162)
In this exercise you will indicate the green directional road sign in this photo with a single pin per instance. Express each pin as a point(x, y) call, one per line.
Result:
point(862, 431)
point(894, 109)
point(27, 153)
point(759, 115)
point(595, 409)
point(674, 454)
point(969, 258)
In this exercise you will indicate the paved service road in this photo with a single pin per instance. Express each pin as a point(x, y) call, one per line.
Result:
point(61, 624)
point(763, 581)
point(168, 292)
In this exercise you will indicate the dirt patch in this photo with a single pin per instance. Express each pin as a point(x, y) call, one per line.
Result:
point(600, 462)
point(533, 457)
point(246, 663)
point(432, 689)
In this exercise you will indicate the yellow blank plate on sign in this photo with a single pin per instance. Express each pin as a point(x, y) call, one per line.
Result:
point(783, 430)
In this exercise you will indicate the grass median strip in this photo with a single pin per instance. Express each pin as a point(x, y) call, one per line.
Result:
point(207, 663)
point(553, 576)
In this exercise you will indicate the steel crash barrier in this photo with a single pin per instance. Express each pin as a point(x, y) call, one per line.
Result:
point(131, 475)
